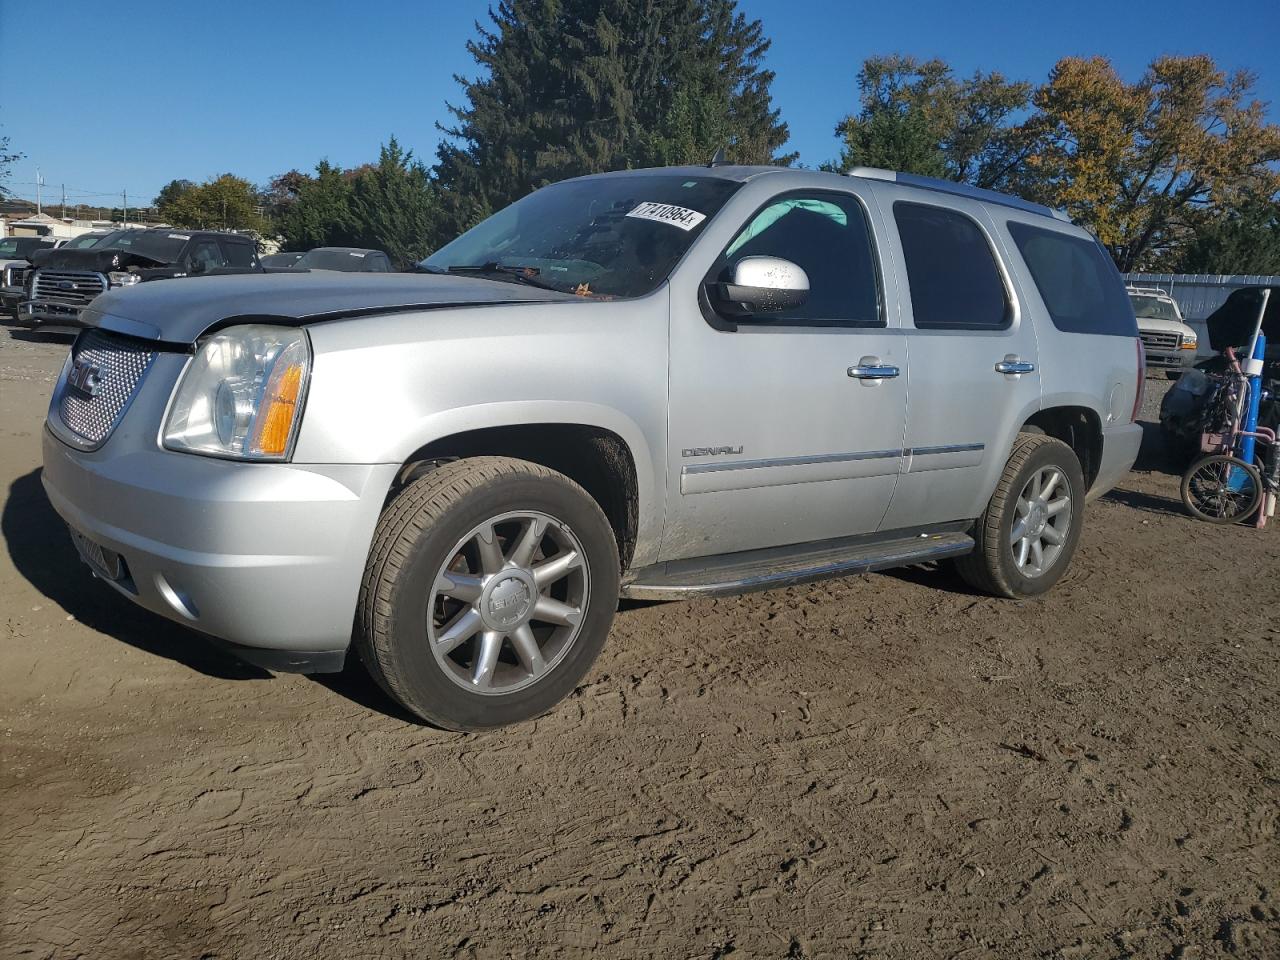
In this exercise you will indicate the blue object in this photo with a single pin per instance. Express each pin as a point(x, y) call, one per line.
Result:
point(1247, 444)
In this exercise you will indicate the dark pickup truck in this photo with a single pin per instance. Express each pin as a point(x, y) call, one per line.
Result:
point(63, 282)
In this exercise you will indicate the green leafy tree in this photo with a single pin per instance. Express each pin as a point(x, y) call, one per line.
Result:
point(1141, 163)
point(224, 203)
point(320, 215)
point(579, 86)
point(170, 194)
point(393, 206)
point(918, 117)
point(1245, 239)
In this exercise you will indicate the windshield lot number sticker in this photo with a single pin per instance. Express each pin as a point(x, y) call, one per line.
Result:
point(681, 217)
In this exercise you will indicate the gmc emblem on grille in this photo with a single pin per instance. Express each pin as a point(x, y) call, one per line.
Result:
point(86, 377)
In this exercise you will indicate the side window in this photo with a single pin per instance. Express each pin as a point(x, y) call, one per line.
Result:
point(952, 273)
point(1077, 280)
point(238, 255)
point(207, 254)
point(826, 235)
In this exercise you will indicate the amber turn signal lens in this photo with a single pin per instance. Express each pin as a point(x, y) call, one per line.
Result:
point(279, 406)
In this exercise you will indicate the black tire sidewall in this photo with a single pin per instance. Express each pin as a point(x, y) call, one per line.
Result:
point(1051, 455)
point(424, 681)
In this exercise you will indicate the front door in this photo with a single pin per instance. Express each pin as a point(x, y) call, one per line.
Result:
point(789, 428)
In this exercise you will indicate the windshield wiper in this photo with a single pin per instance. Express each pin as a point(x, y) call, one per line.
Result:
point(504, 272)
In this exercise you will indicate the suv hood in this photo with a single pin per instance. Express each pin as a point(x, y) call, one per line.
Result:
point(92, 258)
point(179, 311)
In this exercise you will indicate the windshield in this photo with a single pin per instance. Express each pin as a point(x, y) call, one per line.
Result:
point(84, 240)
point(605, 236)
point(1154, 308)
point(164, 247)
point(348, 261)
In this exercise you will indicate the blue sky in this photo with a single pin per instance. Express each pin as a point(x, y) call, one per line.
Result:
point(134, 95)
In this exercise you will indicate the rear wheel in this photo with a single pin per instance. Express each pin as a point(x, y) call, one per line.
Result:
point(489, 592)
point(1027, 535)
point(1221, 489)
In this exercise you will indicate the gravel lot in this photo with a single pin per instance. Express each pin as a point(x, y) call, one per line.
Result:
point(885, 766)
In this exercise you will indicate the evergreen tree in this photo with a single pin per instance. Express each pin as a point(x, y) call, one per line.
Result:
point(580, 86)
point(320, 216)
point(393, 207)
point(1242, 240)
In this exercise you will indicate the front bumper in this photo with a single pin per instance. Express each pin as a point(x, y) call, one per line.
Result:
point(42, 315)
point(1171, 359)
point(1120, 446)
point(266, 557)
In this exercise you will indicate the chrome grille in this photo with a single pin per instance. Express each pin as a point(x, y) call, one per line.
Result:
point(74, 288)
point(1161, 341)
point(15, 276)
point(101, 379)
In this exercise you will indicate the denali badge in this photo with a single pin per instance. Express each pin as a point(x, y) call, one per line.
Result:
point(710, 451)
point(86, 377)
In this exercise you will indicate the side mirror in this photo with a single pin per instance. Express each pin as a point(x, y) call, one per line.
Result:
point(761, 285)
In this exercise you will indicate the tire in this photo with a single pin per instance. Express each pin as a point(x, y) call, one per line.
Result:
point(994, 566)
point(1207, 477)
point(432, 576)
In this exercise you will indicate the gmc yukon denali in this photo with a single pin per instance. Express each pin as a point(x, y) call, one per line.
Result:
point(654, 384)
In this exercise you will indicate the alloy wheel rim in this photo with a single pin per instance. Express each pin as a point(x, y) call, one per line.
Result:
point(508, 602)
point(1041, 522)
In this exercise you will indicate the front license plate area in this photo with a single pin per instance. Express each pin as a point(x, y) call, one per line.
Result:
point(105, 563)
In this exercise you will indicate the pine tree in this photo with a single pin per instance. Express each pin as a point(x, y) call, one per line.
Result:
point(581, 86)
point(393, 207)
point(321, 214)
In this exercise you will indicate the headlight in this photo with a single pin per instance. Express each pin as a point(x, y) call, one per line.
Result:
point(1189, 341)
point(242, 394)
point(121, 278)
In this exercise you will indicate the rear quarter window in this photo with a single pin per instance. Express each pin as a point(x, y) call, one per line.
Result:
point(1077, 280)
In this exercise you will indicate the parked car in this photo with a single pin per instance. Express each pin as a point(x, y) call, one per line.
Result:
point(345, 260)
point(64, 282)
point(276, 260)
point(1170, 344)
point(13, 278)
point(654, 384)
point(15, 253)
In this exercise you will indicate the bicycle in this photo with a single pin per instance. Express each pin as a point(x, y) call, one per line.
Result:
point(1223, 487)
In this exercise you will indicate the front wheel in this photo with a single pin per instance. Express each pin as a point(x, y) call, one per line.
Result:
point(1221, 489)
point(488, 593)
point(1026, 537)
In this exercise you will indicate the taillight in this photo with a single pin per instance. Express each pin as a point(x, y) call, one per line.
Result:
point(1142, 381)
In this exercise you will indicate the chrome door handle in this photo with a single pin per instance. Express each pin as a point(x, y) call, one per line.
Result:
point(1015, 366)
point(870, 368)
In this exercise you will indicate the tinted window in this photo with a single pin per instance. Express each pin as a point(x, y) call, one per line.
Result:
point(1153, 307)
point(951, 271)
point(238, 254)
point(825, 234)
point(205, 255)
point(1077, 281)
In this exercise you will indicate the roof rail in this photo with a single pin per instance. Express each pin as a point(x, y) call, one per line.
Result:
point(958, 190)
point(1149, 291)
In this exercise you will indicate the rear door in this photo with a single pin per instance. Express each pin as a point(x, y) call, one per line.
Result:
point(974, 365)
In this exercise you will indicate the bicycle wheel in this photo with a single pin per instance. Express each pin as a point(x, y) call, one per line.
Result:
point(1221, 489)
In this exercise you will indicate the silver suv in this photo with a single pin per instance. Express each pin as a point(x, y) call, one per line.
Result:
point(654, 384)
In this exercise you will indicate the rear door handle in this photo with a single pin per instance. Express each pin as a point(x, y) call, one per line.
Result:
point(870, 368)
point(1015, 366)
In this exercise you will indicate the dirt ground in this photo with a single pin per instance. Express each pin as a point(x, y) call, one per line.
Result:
point(886, 766)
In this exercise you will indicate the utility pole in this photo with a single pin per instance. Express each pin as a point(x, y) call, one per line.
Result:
point(124, 197)
point(39, 183)
point(64, 201)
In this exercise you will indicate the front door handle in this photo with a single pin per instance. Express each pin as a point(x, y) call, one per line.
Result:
point(870, 368)
point(1012, 365)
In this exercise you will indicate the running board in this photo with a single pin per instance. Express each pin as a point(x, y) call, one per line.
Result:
point(787, 566)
